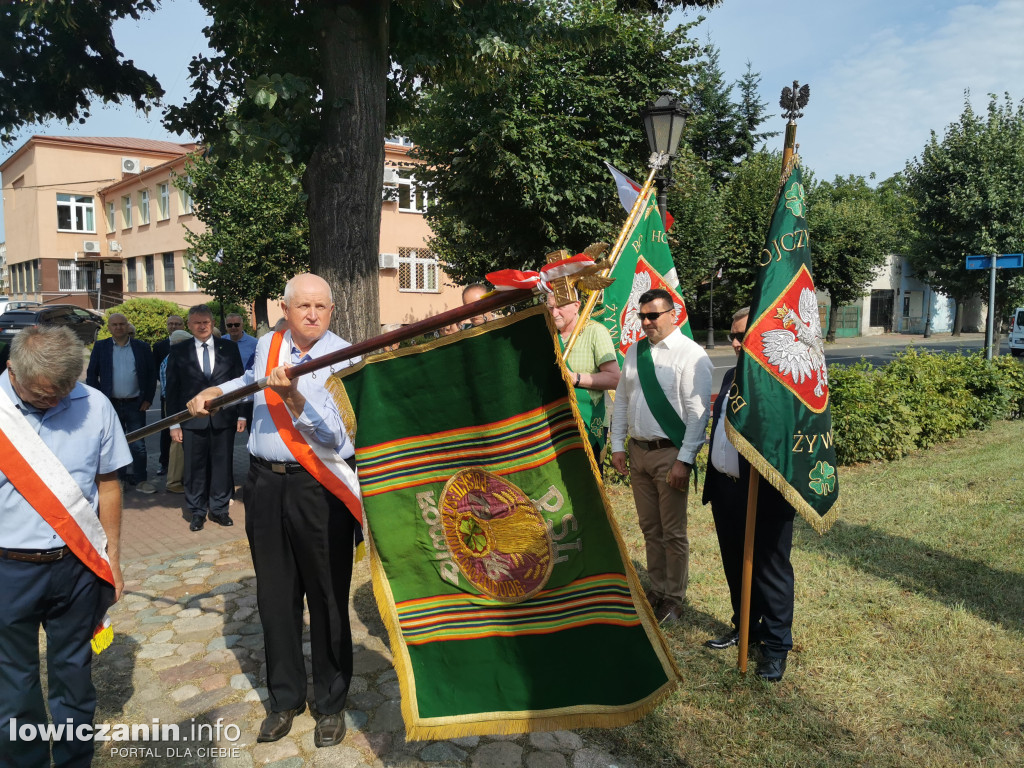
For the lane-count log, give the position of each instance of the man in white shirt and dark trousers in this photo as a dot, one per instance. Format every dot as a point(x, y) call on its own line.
point(662, 403)
point(726, 487)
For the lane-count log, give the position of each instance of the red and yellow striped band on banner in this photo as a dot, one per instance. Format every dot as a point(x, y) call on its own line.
point(38, 494)
point(328, 473)
point(522, 442)
point(599, 599)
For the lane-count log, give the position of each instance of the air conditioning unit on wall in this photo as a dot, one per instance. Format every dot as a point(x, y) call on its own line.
point(390, 177)
point(115, 247)
point(388, 261)
point(129, 165)
point(91, 246)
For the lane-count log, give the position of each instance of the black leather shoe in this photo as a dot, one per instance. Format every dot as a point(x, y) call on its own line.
point(224, 519)
point(728, 640)
point(198, 521)
point(771, 669)
point(330, 730)
point(277, 724)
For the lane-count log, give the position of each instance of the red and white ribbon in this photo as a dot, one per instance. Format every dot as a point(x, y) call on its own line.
point(512, 279)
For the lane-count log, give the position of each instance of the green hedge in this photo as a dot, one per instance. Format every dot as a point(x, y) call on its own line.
point(919, 399)
point(149, 316)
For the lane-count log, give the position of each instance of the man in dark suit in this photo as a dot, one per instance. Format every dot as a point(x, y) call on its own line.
point(726, 487)
point(122, 369)
point(160, 350)
point(208, 441)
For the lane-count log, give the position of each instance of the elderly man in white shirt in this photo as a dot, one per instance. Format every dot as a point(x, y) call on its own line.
point(662, 403)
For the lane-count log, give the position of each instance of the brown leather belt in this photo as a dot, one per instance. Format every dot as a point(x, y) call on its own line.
point(36, 556)
point(654, 445)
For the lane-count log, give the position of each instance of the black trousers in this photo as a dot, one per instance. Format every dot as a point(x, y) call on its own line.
point(300, 536)
point(209, 474)
point(771, 588)
point(68, 601)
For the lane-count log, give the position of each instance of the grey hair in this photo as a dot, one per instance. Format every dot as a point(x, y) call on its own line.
point(50, 353)
point(289, 288)
point(229, 315)
point(739, 314)
point(200, 309)
point(112, 315)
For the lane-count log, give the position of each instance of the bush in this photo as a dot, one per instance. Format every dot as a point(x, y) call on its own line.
point(919, 399)
point(149, 316)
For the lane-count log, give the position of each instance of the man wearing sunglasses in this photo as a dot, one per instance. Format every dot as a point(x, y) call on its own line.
point(662, 403)
point(726, 486)
point(247, 351)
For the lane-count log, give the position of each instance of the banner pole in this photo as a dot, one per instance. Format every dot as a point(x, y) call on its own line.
point(490, 301)
point(627, 229)
point(748, 569)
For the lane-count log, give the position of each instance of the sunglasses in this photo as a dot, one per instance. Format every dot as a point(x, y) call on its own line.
point(736, 336)
point(652, 316)
point(233, 325)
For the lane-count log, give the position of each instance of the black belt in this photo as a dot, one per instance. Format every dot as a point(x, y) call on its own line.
point(35, 555)
point(125, 399)
point(279, 467)
point(654, 445)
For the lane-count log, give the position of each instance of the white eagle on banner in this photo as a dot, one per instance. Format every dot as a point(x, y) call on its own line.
point(630, 329)
point(799, 353)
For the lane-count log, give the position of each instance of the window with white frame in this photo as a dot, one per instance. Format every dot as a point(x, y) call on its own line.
point(66, 275)
point(126, 211)
point(111, 224)
point(75, 213)
point(164, 190)
point(417, 270)
point(187, 265)
point(186, 199)
point(144, 207)
point(150, 274)
point(412, 197)
point(169, 271)
point(132, 276)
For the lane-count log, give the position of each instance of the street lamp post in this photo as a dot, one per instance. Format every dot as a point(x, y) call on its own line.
point(664, 120)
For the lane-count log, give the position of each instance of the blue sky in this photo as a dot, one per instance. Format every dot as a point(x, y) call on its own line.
point(883, 73)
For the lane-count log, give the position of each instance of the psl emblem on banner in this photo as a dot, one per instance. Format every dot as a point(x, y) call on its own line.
point(645, 279)
point(786, 341)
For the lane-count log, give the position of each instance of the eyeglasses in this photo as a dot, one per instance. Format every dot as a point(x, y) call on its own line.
point(233, 325)
point(736, 336)
point(652, 316)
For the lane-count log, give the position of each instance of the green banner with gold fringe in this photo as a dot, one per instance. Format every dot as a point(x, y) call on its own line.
point(510, 602)
point(778, 416)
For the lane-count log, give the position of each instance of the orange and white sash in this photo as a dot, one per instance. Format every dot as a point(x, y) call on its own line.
point(325, 464)
point(38, 475)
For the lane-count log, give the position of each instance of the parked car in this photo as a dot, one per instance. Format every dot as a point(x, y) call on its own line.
point(82, 322)
point(1017, 332)
point(4, 301)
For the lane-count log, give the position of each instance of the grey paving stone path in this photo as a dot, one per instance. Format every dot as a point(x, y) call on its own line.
point(188, 651)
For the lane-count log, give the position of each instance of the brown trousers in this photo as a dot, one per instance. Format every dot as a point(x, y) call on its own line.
point(661, 510)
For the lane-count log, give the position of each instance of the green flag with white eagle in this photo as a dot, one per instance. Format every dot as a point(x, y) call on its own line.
point(645, 263)
point(497, 565)
point(778, 415)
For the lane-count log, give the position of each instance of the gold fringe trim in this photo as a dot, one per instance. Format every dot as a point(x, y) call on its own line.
point(773, 476)
point(512, 723)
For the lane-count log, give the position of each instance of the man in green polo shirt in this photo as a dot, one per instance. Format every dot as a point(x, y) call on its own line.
point(593, 366)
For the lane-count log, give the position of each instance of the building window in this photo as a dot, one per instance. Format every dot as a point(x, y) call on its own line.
point(186, 200)
point(144, 207)
point(66, 275)
point(37, 278)
point(126, 211)
point(111, 224)
point(412, 197)
point(75, 213)
point(150, 275)
point(168, 271)
point(164, 191)
point(133, 280)
point(417, 270)
point(190, 281)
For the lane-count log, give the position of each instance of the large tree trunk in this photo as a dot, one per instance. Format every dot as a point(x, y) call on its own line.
point(343, 177)
point(958, 319)
point(833, 322)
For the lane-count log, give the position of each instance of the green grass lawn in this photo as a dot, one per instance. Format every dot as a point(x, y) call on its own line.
point(908, 630)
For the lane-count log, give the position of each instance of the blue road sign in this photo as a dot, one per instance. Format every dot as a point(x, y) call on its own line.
point(1003, 261)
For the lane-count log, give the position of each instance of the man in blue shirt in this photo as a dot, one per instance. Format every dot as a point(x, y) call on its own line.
point(300, 533)
point(122, 368)
point(247, 349)
point(65, 438)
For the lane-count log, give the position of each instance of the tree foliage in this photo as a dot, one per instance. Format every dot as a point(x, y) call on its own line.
point(256, 235)
point(966, 192)
point(516, 167)
point(850, 236)
point(57, 56)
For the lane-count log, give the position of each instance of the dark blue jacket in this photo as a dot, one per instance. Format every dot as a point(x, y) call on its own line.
point(101, 368)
